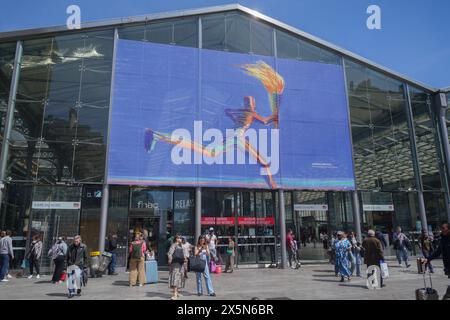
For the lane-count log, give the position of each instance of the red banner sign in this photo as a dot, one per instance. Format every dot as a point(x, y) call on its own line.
point(208, 221)
point(227, 221)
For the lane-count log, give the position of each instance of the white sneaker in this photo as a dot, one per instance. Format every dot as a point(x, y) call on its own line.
point(9, 276)
point(38, 277)
point(140, 284)
point(30, 276)
point(5, 280)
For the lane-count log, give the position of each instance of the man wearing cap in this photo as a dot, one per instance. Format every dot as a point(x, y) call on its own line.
point(373, 252)
point(211, 239)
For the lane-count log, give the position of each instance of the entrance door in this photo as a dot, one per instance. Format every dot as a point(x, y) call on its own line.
point(149, 227)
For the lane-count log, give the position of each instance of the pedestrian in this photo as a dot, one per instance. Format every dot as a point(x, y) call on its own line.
point(34, 255)
point(290, 246)
point(401, 245)
point(324, 238)
point(202, 251)
point(8, 276)
point(177, 257)
point(230, 256)
point(77, 255)
point(6, 252)
point(58, 254)
point(334, 240)
point(373, 252)
point(211, 240)
point(137, 251)
point(188, 250)
point(111, 247)
point(379, 235)
point(427, 248)
point(343, 248)
point(356, 254)
point(443, 249)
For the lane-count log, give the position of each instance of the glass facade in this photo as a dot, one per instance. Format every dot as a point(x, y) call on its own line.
point(60, 134)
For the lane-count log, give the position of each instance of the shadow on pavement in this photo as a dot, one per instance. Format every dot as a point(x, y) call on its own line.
point(43, 281)
point(63, 295)
point(323, 280)
point(354, 286)
point(159, 295)
point(323, 271)
point(324, 275)
point(121, 283)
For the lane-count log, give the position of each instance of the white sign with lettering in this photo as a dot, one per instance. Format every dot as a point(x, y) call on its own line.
point(310, 207)
point(61, 205)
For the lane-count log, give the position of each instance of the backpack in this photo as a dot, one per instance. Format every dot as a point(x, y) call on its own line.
point(178, 255)
point(136, 252)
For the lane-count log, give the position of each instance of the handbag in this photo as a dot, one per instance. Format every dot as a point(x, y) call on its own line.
point(196, 264)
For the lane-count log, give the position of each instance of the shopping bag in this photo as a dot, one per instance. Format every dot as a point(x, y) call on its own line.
point(25, 264)
point(213, 266)
point(384, 270)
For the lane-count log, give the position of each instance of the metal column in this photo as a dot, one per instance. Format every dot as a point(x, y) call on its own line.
point(356, 215)
point(105, 191)
point(9, 121)
point(440, 103)
point(198, 213)
point(282, 230)
point(415, 159)
point(103, 218)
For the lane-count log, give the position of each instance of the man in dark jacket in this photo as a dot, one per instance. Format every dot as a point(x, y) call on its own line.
point(443, 249)
point(373, 252)
point(111, 247)
point(77, 255)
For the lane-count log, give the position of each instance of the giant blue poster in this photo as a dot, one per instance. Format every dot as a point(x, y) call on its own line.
point(189, 117)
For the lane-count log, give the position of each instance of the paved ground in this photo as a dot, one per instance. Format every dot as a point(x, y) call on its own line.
point(309, 282)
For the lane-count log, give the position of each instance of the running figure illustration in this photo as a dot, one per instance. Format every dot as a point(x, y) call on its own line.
point(243, 119)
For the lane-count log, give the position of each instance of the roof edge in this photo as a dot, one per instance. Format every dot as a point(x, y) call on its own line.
point(15, 35)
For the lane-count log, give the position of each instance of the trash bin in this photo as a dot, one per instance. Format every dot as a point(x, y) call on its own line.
point(94, 264)
point(104, 261)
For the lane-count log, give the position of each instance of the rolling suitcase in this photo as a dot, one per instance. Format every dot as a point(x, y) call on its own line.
point(427, 293)
point(104, 261)
point(151, 271)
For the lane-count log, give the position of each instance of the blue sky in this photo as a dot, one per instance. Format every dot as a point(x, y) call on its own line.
point(413, 39)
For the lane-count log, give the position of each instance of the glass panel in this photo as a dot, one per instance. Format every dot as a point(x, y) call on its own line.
point(16, 206)
point(89, 162)
point(213, 32)
point(381, 145)
point(287, 46)
point(53, 223)
point(63, 99)
point(7, 55)
point(54, 162)
point(118, 221)
point(184, 209)
point(186, 33)
point(261, 39)
point(160, 33)
point(426, 139)
point(237, 33)
point(91, 202)
point(311, 220)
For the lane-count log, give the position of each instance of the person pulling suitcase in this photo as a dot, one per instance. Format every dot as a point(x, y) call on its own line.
point(77, 257)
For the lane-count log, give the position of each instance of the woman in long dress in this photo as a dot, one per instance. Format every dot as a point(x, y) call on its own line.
point(343, 247)
point(177, 271)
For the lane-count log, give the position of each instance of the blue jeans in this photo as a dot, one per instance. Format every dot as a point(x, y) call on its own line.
point(208, 282)
point(4, 265)
point(402, 255)
point(112, 264)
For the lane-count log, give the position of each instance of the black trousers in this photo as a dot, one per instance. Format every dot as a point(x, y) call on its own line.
point(34, 264)
point(59, 268)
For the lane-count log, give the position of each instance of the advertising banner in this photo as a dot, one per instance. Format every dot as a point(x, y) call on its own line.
point(190, 117)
